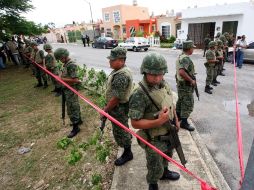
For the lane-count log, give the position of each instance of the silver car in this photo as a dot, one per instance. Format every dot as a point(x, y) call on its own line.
point(249, 53)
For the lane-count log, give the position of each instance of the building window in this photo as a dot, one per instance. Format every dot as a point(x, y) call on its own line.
point(153, 27)
point(124, 29)
point(106, 17)
point(116, 16)
point(165, 31)
point(141, 28)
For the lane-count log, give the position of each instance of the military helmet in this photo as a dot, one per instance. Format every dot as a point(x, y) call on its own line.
point(117, 53)
point(219, 43)
point(154, 63)
point(212, 44)
point(188, 44)
point(218, 35)
point(60, 53)
point(33, 43)
point(27, 42)
point(47, 47)
point(226, 34)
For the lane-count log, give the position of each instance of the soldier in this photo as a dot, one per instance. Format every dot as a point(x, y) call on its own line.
point(186, 82)
point(154, 93)
point(51, 65)
point(28, 53)
point(210, 64)
point(119, 86)
point(219, 57)
point(206, 42)
point(69, 76)
point(38, 57)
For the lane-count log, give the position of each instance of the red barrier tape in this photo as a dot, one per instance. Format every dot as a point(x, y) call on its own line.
point(203, 184)
point(238, 125)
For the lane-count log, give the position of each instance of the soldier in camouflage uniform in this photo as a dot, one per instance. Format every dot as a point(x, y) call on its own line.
point(210, 64)
point(186, 82)
point(142, 112)
point(51, 65)
point(119, 86)
point(70, 76)
point(28, 53)
point(38, 57)
point(219, 57)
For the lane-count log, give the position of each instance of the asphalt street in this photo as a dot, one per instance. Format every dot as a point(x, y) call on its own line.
point(214, 115)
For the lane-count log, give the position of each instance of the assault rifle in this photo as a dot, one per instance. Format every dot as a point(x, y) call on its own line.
point(195, 87)
point(173, 138)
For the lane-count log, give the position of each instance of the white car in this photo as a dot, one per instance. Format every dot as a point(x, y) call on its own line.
point(135, 44)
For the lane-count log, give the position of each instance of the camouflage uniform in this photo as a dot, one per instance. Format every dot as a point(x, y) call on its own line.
point(185, 102)
point(210, 55)
point(51, 65)
point(119, 85)
point(141, 107)
point(219, 53)
point(72, 103)
point(39, 59)
point(28, 52)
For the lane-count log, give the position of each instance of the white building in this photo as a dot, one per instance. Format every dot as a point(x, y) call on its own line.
point(233, 18)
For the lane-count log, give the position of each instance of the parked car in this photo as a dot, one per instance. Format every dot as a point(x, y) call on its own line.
point(178, 44)
point(135, 44)
point(104, 42)
point(248, 55)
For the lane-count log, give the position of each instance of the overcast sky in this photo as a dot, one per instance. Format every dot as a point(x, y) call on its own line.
point(63, 12)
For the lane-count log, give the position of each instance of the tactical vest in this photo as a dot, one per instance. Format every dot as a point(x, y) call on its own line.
point(37, 58)
point(50, 63)
point(125, 71)
point(190, 72)
point(162, 98)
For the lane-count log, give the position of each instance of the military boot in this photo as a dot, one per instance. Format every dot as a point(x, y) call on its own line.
point(207, 89)
point(185, 125)
point(153, 186)
point(45, 84)
point(39, 83)
point(169, 175)
point(214, 84)
point(215, 81)
point(126, 156)
point(74, 131)
point(58, 92)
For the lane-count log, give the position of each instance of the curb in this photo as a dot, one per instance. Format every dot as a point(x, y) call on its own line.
point(219, 179)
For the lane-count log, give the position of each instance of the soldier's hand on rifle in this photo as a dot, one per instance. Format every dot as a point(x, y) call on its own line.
point(164, 115)
point(193, 82)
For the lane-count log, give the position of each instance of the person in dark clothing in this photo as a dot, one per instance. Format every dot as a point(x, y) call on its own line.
point(84, 40)
point(87, 40)
point(206, 42)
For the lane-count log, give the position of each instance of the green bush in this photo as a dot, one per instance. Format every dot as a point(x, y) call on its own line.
point(167, 45)
point(172, 39)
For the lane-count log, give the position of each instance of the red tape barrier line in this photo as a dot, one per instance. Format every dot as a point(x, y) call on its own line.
point(203, 184)
point(238, 125)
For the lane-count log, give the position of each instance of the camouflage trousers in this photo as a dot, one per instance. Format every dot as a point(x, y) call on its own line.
point(155, 163)
point(39, 74)
point(185, 102)
point(209, 74)
point(54, 81)
point(73, 107)
point(216, 71)
point(120, 113)
point(220, 67)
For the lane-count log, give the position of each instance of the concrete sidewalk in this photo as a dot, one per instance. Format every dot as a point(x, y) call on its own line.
point(132, 176)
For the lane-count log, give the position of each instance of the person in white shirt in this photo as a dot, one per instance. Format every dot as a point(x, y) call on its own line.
point(240, 44)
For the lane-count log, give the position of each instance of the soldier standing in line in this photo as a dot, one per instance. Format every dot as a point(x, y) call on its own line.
point(119, 87)
point(51, 65)
point(38, 57)
point(206, 42)
point(142, 112)
point(209, 64)
point(28, 53)
point(70, 76)
point(186, 82)
point(219, 56)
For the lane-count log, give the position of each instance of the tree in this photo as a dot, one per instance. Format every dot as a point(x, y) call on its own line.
point(11, 22)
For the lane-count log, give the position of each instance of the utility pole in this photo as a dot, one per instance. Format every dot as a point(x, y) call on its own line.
point(91, 16)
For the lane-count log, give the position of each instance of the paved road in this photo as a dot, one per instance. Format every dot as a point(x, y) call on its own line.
point(213, 115)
